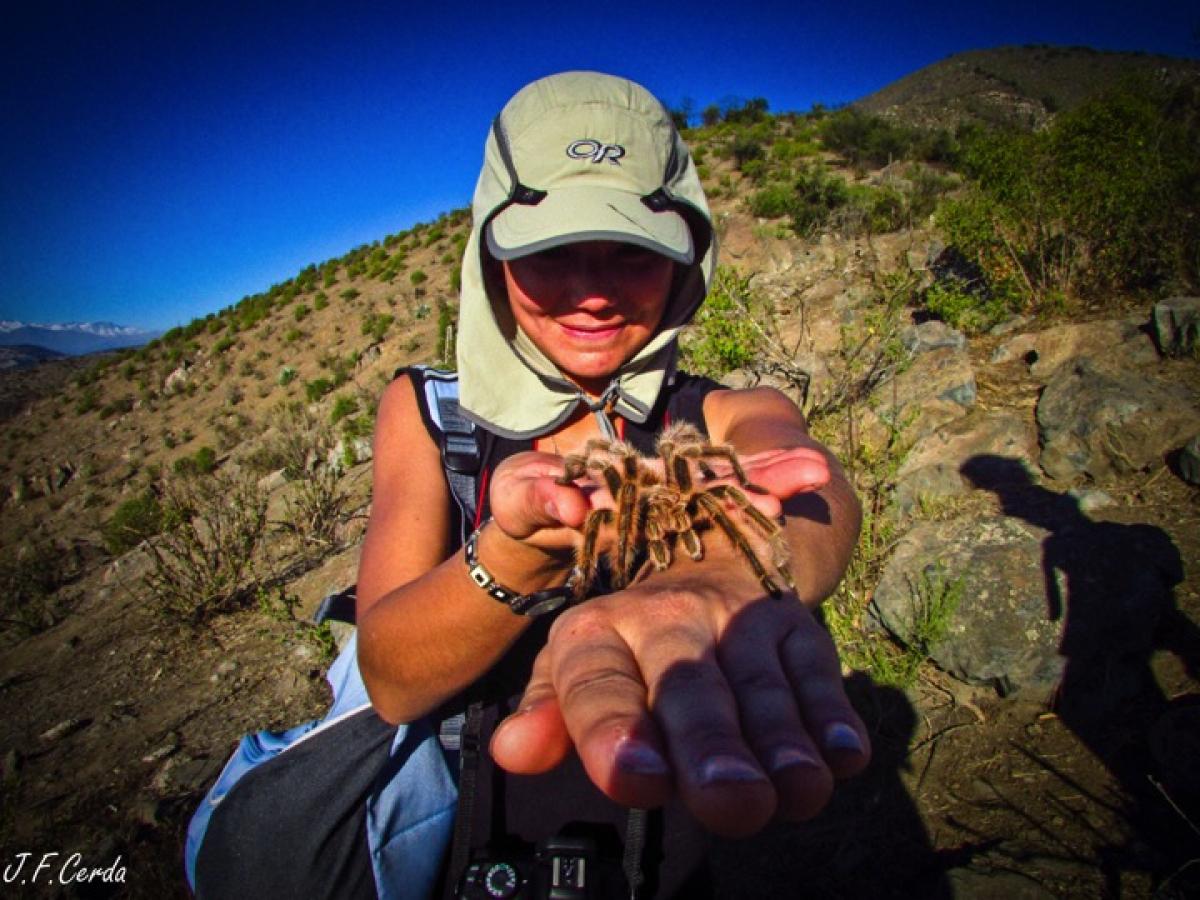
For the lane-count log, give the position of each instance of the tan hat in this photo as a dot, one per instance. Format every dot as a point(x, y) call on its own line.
point(582, 156)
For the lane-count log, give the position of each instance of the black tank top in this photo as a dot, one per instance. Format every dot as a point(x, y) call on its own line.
point(516, 811)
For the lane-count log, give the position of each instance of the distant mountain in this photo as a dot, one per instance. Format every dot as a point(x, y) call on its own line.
point(20, 356)
point(1020, 86)
point(73, 338)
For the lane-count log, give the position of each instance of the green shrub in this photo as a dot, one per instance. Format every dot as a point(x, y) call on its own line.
point(418, 277)
point(1107, 197)
point(349, 294)
point(746, 149)
point(316, 389)
point(286, 376)
point(300, 311)
point(358, 426)
point(773, 201)
point(292, 335)
point(132, 522)
point(224, 343)
point(321, 300)
point(376, 325)
point(722, 337)
point(818, 194)
point(343, 405)
point(972, 313)
point(202, 462)
point(89, 399)
point(208, 567)
point(122, 404)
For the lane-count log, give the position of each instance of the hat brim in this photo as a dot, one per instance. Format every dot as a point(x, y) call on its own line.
point(570, 215)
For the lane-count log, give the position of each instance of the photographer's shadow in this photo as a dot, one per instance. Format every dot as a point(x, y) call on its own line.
point(1111, 585)
point(869, 842)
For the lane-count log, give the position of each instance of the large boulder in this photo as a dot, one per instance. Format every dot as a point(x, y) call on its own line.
point(933, 468)
point(938, 387)
point(1123, 343)
point(1177, 325)
point(1039, 592)
point(1000, 631)
point(1098, 423)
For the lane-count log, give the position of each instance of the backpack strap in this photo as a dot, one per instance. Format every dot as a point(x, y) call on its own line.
point(437, 395)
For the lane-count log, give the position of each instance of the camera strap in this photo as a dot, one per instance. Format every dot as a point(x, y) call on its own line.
point(468, 778)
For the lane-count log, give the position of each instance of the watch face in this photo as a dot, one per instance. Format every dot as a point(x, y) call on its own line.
point(543, 605)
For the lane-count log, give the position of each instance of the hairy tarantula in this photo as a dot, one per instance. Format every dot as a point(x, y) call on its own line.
point(657, 510)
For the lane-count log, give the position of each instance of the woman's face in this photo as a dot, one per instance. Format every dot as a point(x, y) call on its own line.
point(590, 306)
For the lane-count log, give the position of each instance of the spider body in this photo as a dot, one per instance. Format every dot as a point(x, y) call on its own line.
point(659, 508)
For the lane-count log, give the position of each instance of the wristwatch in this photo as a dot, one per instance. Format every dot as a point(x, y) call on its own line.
point(531, 605)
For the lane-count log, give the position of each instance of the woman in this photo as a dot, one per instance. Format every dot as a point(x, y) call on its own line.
point(592, 245)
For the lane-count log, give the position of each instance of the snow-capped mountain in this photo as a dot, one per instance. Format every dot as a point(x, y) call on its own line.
point(74, 338)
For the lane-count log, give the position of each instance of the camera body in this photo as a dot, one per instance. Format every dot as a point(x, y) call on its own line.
point(561, 868)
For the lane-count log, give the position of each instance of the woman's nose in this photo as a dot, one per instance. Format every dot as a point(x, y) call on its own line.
point(591, 286)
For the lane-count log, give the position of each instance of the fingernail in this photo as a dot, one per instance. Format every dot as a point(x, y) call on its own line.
point(725, 768)
point(786, 757)
point(528, 707)
point(638, 758)
point(840, 736)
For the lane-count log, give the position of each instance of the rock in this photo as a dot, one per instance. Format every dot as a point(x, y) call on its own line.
point(937, 388)
point(1090, 500)
point(272, 481)
point(931, 335)
point(177, 380)
point(932, 467)
point(184, 775)
point(994, 884)
point(1189, 461)
point(1000, 631)
point(63, 729)
point(1177, 325)
point(1038, 594)
point(1119, 343)
point(163, 750)
point(1098, 424)
point(369, 356)
point(1008, 326)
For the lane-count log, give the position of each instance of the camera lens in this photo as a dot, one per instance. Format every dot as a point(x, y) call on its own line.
point(501, 880)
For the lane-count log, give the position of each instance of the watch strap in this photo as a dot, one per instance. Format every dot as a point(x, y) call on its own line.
point(536, 604)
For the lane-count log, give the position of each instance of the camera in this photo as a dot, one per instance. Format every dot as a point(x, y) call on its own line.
point(560, 868)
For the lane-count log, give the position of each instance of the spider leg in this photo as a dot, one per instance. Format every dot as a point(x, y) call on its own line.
point(713, 507)
point(769, 527)
point(658, 526)
point(727, 453)
point(585, 554)
point(574, 466)
point(628, 523)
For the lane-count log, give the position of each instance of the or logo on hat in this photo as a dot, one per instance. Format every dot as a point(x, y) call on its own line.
point(596, 151)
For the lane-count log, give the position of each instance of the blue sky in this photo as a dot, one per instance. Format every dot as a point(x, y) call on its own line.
point(162, 160)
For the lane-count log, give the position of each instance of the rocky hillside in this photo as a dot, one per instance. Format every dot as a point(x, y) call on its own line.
point(1019, 626)
point(1022, 86)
